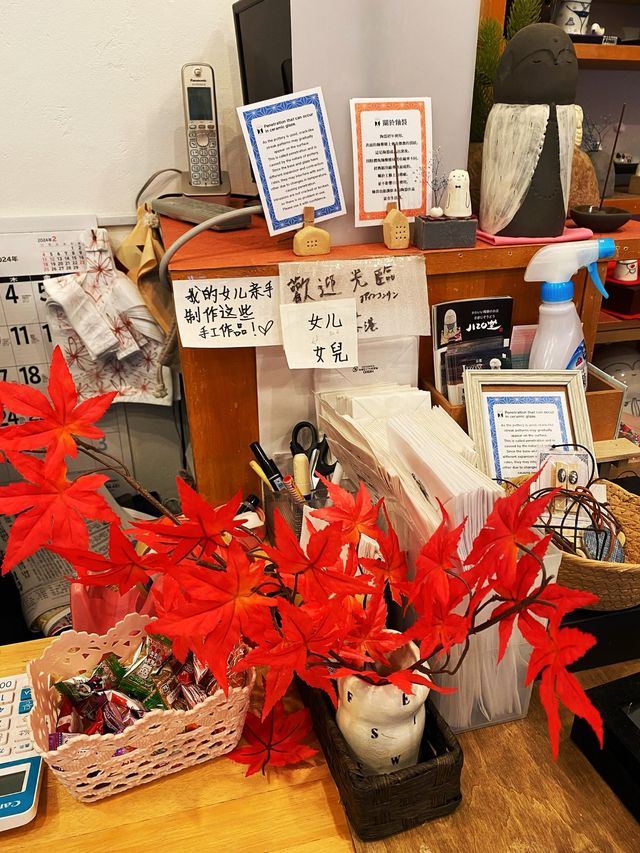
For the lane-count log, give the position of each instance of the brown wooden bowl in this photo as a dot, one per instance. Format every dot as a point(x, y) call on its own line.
point(601, 219)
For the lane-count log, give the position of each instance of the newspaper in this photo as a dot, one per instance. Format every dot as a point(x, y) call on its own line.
point(42, 580)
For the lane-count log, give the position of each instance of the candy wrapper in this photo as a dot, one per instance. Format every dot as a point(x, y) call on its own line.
point(117, 693)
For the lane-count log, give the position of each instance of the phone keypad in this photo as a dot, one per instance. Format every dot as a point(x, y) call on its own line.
point(15, 704)
point(204, 163)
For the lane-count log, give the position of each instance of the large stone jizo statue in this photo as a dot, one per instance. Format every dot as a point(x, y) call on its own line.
point(529, 138)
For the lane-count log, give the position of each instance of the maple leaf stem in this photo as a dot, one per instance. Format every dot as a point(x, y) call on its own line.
point(126, 475)
point(253, 535)
point(492, 600)
point(218, 566)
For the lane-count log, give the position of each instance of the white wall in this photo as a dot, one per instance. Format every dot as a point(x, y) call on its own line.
point(91, 106)
point(91, 100)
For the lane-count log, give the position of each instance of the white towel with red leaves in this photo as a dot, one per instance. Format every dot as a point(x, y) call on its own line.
point(106, 332)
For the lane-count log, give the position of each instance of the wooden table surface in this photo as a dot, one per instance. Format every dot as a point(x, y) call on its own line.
point(515, 800)
point(211, 807)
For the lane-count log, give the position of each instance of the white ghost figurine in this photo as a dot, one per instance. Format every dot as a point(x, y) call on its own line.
point(458, 205)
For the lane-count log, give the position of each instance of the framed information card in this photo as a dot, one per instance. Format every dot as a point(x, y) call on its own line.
point(514, 415)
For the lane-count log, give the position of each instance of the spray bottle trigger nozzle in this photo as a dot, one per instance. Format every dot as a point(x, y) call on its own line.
point(595, 278)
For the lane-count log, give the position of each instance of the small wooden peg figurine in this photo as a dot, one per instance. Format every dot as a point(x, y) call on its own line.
point(311, 240)
point(395, 228)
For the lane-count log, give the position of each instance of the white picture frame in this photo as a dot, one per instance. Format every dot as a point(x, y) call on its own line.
point(513, 415)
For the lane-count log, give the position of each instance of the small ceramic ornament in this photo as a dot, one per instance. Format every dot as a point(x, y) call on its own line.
point(311, 240)
point(436, 212)
point(458, 204)
point(395, 228)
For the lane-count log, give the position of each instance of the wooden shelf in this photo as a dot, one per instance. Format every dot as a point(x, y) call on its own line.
point(614, 56)
point(624, 200)
point(613, 330)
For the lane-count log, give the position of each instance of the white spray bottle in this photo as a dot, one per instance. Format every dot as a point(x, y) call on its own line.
point(559, 341)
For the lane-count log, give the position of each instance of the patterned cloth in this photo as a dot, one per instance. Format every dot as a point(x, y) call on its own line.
point(108, 337)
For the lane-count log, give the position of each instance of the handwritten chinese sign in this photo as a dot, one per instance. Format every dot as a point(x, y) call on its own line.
point(322, 336)
point(228, 312)
point(390, 292)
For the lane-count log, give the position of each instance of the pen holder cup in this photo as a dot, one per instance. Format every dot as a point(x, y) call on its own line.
point(292, 512)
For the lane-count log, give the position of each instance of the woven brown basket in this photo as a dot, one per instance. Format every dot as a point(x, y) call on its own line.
point(617, 584)
point(378, 806)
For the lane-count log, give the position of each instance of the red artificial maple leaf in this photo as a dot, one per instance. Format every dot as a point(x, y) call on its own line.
point(367, 637)
point(510, 524)
point(200, 533)
point(551, 602)
point(355, 515)
point(215, 609)
point(528, 570)
point(553, 650)
point(439, 627)
point(319, 571)
point(437, 559)
point(555, 601)
point(306, 635)
point(52, 508)
point(391, 569)
point(58, 419)
point(124, 567)
point(277, 740)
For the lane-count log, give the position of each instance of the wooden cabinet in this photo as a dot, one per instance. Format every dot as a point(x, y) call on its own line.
point(220, 384)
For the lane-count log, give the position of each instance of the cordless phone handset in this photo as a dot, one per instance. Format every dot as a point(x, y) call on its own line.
point(201, 126)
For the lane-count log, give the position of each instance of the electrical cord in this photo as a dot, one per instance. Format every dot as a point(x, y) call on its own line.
point(150, 180)
point(163, 274)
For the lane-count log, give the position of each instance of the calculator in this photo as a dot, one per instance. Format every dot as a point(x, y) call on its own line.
point(20, 765)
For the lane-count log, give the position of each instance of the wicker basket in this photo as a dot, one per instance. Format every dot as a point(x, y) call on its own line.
point(92, 767)
point(378, 806)
point(617, 584)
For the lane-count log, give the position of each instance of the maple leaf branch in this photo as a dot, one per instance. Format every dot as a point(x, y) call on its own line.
point(517, 607)
point(127, 476)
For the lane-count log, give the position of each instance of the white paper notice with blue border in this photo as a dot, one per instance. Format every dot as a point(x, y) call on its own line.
point(521, 425)
point(293, 160)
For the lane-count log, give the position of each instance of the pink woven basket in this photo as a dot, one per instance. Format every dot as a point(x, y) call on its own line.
point(92, 767)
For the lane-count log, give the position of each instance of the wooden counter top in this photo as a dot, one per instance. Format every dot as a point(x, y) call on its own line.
point(515, 798)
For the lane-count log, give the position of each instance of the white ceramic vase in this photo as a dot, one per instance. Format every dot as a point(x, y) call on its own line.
point(382, 725)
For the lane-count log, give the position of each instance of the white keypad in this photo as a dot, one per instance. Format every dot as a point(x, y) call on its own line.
point(15, 704)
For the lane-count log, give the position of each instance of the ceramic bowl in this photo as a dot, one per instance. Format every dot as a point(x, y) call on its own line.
point(602, 219)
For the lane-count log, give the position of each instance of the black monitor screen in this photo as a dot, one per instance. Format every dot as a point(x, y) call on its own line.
point(263, 34)
point(200, 107)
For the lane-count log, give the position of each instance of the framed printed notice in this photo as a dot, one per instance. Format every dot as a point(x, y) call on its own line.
point(391, 150)
point(515, 415)
point(291, 152)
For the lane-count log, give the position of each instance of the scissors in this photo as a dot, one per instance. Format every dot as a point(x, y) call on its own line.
point(308, 444)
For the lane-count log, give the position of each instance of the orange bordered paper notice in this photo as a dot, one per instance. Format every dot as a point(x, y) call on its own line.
point(376, 124)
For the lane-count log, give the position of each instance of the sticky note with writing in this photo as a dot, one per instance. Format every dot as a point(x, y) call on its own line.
point(228, 312)
point(390, 292)
point(321, 336)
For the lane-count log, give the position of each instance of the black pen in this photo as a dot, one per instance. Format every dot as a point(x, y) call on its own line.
point(269, 467)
